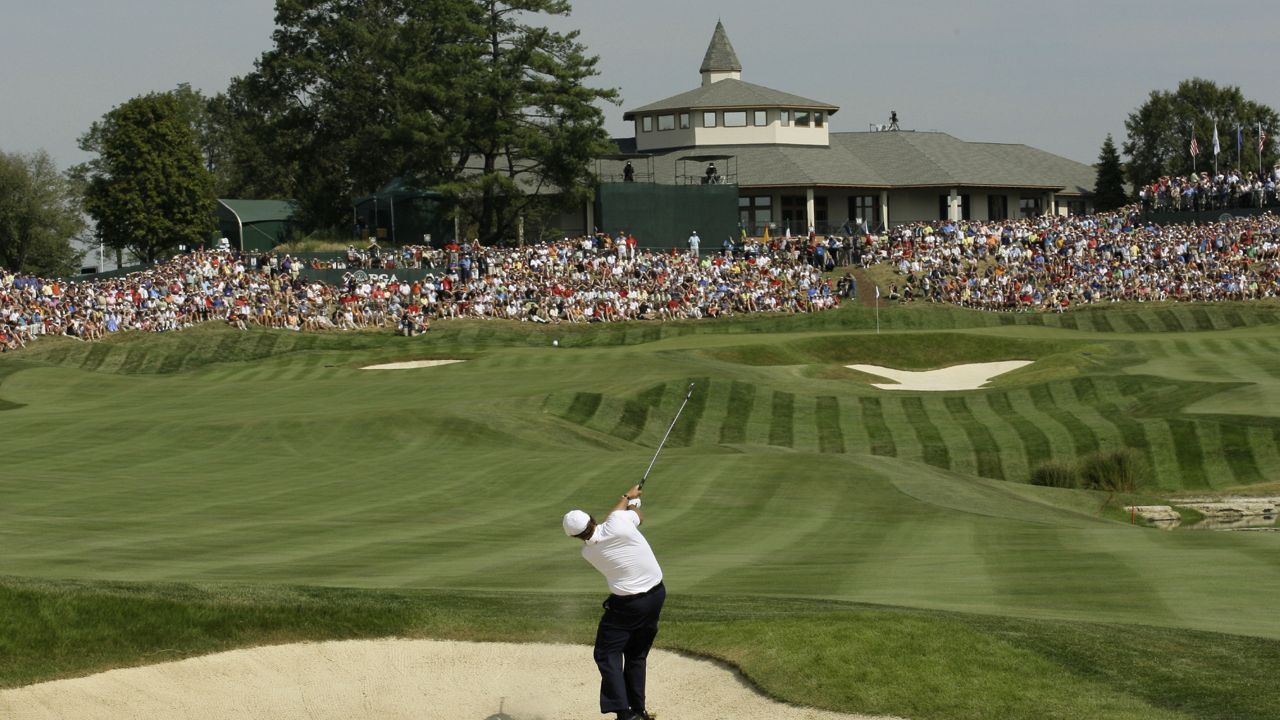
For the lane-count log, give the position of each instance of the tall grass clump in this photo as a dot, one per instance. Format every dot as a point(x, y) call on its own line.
point(1119, 471)
point(1055, 473)
point(1112, 471)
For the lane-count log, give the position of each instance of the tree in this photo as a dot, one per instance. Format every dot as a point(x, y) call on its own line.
point(148, 190)
point(39, 216)
point(1108, 191)
point(1161, 129)
point(469, 96)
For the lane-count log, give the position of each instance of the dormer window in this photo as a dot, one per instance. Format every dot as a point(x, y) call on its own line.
point(708, 119)
point(817, 119)
point(735, 118)
point(784, 118)
point(761, 118)
point(646, 123)
point(802, 118)
point(666, 122)
point(684, 121)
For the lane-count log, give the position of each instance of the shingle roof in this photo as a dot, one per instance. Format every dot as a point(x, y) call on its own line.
point(888, 160)
point(720, 56)
point(731, 93)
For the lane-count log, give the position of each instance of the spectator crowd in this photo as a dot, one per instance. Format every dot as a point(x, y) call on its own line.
point(586, 280)
point(1035, 264)
point(1054, 262)
point(1209, 191)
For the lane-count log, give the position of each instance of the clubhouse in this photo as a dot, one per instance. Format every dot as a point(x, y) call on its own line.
point(793, 173)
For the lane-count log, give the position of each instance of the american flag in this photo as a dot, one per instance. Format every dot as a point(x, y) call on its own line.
point(1262, 138)
point(1195, 147)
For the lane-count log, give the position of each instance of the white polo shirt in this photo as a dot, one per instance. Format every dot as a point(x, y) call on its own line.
point(622, 555)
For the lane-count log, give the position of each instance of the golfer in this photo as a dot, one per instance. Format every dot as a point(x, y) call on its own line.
point(626, 632)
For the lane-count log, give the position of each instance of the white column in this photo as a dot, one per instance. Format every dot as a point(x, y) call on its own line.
point(884, 208)
point(808, 210)
point(953, 205)
point(1052, 203)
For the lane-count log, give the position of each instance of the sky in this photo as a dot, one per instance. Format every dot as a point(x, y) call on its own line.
point(1057, 76)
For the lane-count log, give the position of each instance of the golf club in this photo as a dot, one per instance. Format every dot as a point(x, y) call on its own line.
point(664, 437)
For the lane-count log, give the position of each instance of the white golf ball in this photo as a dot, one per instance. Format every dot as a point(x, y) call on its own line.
point(555, 343)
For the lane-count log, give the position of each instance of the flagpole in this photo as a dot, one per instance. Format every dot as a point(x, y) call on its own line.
point(877, 309)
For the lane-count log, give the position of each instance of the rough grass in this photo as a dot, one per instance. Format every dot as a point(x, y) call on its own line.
point(856, 658)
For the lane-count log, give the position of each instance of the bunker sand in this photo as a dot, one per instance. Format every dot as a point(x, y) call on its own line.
point(956, 377)
point(393, 680)
point(411, 364)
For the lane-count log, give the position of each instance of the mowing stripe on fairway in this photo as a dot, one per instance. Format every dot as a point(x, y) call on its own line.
point(1036, 447)
point(1099, 322)
point(1083, 438)
point(1135, 322)
point(873, 420)
point(827, 419)
point(986, 449)
point(1060, 441)
point(1168, 319)
point(1187, 446)
point(933, 447)
point(742, 398)
point(686, 427)
point(782, 418)
point(583, 407)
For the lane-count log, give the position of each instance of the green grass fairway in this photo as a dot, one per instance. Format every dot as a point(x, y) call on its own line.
point(848, 521)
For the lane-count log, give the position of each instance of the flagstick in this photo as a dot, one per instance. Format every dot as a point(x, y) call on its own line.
point(877, 309)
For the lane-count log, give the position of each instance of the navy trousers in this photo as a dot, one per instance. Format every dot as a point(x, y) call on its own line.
point(623, 639)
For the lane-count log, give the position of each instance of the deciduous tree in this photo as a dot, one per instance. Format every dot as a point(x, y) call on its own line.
point(1161, 129)
point(39, 216)
point(148, 189)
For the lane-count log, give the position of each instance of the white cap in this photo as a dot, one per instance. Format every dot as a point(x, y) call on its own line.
point(575, 521)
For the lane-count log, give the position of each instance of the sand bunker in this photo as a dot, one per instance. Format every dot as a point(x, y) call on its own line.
point(411, 364)
point(392, 679)
point(956, 377)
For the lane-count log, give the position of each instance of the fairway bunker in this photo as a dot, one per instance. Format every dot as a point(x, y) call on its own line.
point(411, 364)
point(394, 679)
point(957, 377)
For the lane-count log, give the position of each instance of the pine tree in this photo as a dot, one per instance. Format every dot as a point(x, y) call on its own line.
point(1108, 191)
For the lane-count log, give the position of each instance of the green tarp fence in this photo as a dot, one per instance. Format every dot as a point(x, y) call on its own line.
point(663, 216)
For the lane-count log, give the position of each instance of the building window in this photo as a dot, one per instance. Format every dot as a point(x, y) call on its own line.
point(794, 216)
point(817, 119)
point(864, 209)
point(802, 118)
point(997, 207)
point(784, 118)
point(708, 119)
point(666, 122)
point(735, 118)
point(942, 206)
point(646, 123)
point(684, 121)
point(755, 213)
point(1077, 207)
point(761, 118)
point(1029, 207)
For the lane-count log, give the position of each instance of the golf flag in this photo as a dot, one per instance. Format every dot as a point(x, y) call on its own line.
point(766, 234)
point(1195, 147)
point(1217, 149)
